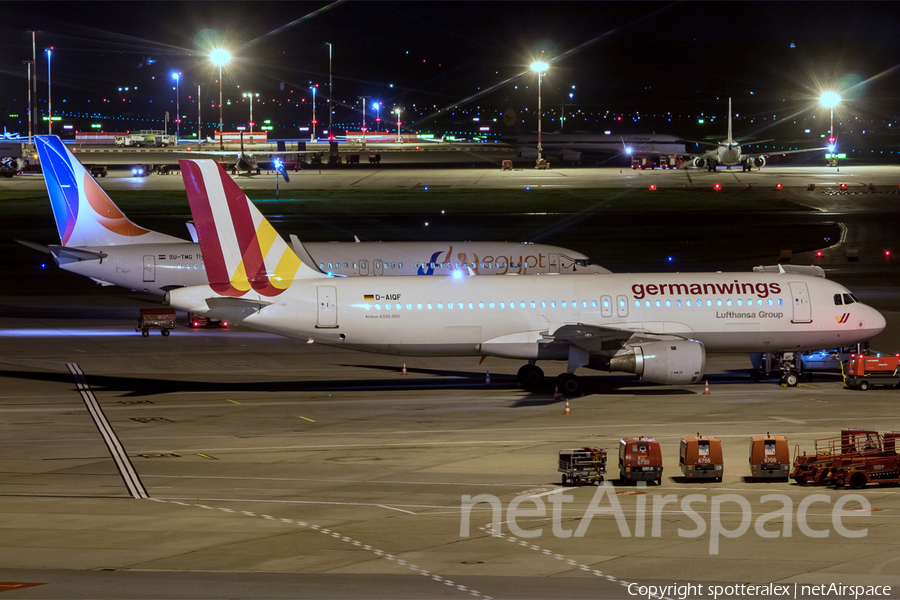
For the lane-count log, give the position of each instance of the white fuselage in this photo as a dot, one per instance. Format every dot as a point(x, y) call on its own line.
point(508, 316)
point(156, 268)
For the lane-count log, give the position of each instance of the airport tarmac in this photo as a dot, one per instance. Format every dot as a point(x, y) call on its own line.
point(275, 469)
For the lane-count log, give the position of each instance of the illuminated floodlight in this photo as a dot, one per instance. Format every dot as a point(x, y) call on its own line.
point(628, 151)
point(220, 57)
point(539, 66)
point(457, 274)
point(832, 148)
point(830, 99)
point(176, 76)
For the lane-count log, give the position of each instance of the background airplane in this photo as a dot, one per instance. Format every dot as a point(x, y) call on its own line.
point(728, 152)
point(98, 241)
point(657, 326)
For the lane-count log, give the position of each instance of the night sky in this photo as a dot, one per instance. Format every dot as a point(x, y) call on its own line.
point(658, 64)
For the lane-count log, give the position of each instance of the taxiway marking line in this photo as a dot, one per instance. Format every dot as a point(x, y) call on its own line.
point(338, 536)
point(116, 449)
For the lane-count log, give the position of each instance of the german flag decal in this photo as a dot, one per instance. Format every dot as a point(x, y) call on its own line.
point(369, 297)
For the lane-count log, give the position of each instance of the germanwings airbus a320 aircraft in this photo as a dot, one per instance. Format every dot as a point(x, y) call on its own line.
point(100, 242)
point(658, 326)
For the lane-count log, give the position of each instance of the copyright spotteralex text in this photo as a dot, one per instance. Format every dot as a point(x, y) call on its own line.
point(794, 591)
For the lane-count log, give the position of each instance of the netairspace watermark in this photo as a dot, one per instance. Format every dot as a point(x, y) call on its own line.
point(705, 511)
point(770, 590)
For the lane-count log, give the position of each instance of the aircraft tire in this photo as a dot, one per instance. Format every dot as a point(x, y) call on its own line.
point(568, 384)
point(530, 376)
point(791, 380)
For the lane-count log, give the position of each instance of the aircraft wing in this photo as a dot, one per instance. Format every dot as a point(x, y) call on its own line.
point(780, 153)
point(602, 340)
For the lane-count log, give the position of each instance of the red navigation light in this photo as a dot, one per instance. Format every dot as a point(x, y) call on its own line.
point(819, 254)
point(778, 186)
point(224, 323)
point(717, 187)
point(843, 186)
point(652, 187)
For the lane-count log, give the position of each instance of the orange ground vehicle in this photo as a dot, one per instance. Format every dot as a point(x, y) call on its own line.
point(869, 467)
point(816, 467)
point(770, 457)
point(866, 370)
point(640, 459)
point(700, 457)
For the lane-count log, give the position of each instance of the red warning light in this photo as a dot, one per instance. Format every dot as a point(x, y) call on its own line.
point(652, 187)
point(887, 253)
point(843, 186)
point(717, 187)
point(819, 254)
point(778, 186)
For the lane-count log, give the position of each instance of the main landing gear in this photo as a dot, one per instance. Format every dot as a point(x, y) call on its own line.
point(532, 377)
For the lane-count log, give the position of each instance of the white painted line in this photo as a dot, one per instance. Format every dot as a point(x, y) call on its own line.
point(556, 491)
point(786, 420)
point(116, 449)
point(409, 512)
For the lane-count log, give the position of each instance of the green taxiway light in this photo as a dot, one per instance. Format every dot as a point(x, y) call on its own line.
point(267, 121)
point(96, 126)
point(701, 121)
point(54, 118)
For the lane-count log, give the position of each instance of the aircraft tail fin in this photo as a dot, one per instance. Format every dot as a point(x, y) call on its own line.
point(85, 215)
point(729, 121)
point(241, 249)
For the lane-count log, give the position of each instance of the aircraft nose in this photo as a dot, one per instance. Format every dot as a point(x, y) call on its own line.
point(876, 321)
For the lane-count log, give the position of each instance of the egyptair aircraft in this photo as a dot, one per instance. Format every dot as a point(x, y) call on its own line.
point(728, 152)
point(98, 241)
point(657, 325)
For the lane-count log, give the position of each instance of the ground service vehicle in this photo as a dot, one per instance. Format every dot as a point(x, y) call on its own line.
point(642, 162)
point(582, 464)
point(199, 321)
point(816, 467)
point(870, 467)
point(769, 457)
point(866, 370)
point(700, 457)
point(145, 137)
point(640, 459)
point(162, 318)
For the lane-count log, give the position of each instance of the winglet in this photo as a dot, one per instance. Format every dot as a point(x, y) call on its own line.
point(85, 215)
point(241, 249)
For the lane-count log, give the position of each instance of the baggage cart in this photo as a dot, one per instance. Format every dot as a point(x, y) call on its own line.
point(582, 465)
point(161, 318)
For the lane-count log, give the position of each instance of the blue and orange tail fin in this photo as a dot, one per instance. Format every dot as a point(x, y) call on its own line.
point(241, 249)
point(85, 215)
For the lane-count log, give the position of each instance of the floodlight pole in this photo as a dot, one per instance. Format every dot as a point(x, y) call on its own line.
point(28, 62)
point(330, 94)
point(221, 125)
point(49, 109)
point(364, 98)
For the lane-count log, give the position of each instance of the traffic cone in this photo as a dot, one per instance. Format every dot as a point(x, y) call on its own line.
point(556, 395)
point(403, 372)
point(568, 412)
point(487, 378)
point(706, 390)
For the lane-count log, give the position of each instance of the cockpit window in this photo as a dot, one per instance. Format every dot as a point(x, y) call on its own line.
point(849, 299)
point(837, 300)
point(583, 262)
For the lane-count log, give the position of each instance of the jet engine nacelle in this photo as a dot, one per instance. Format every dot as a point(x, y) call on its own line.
point(699, 162)
point(759, 161)
point(669, 362)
